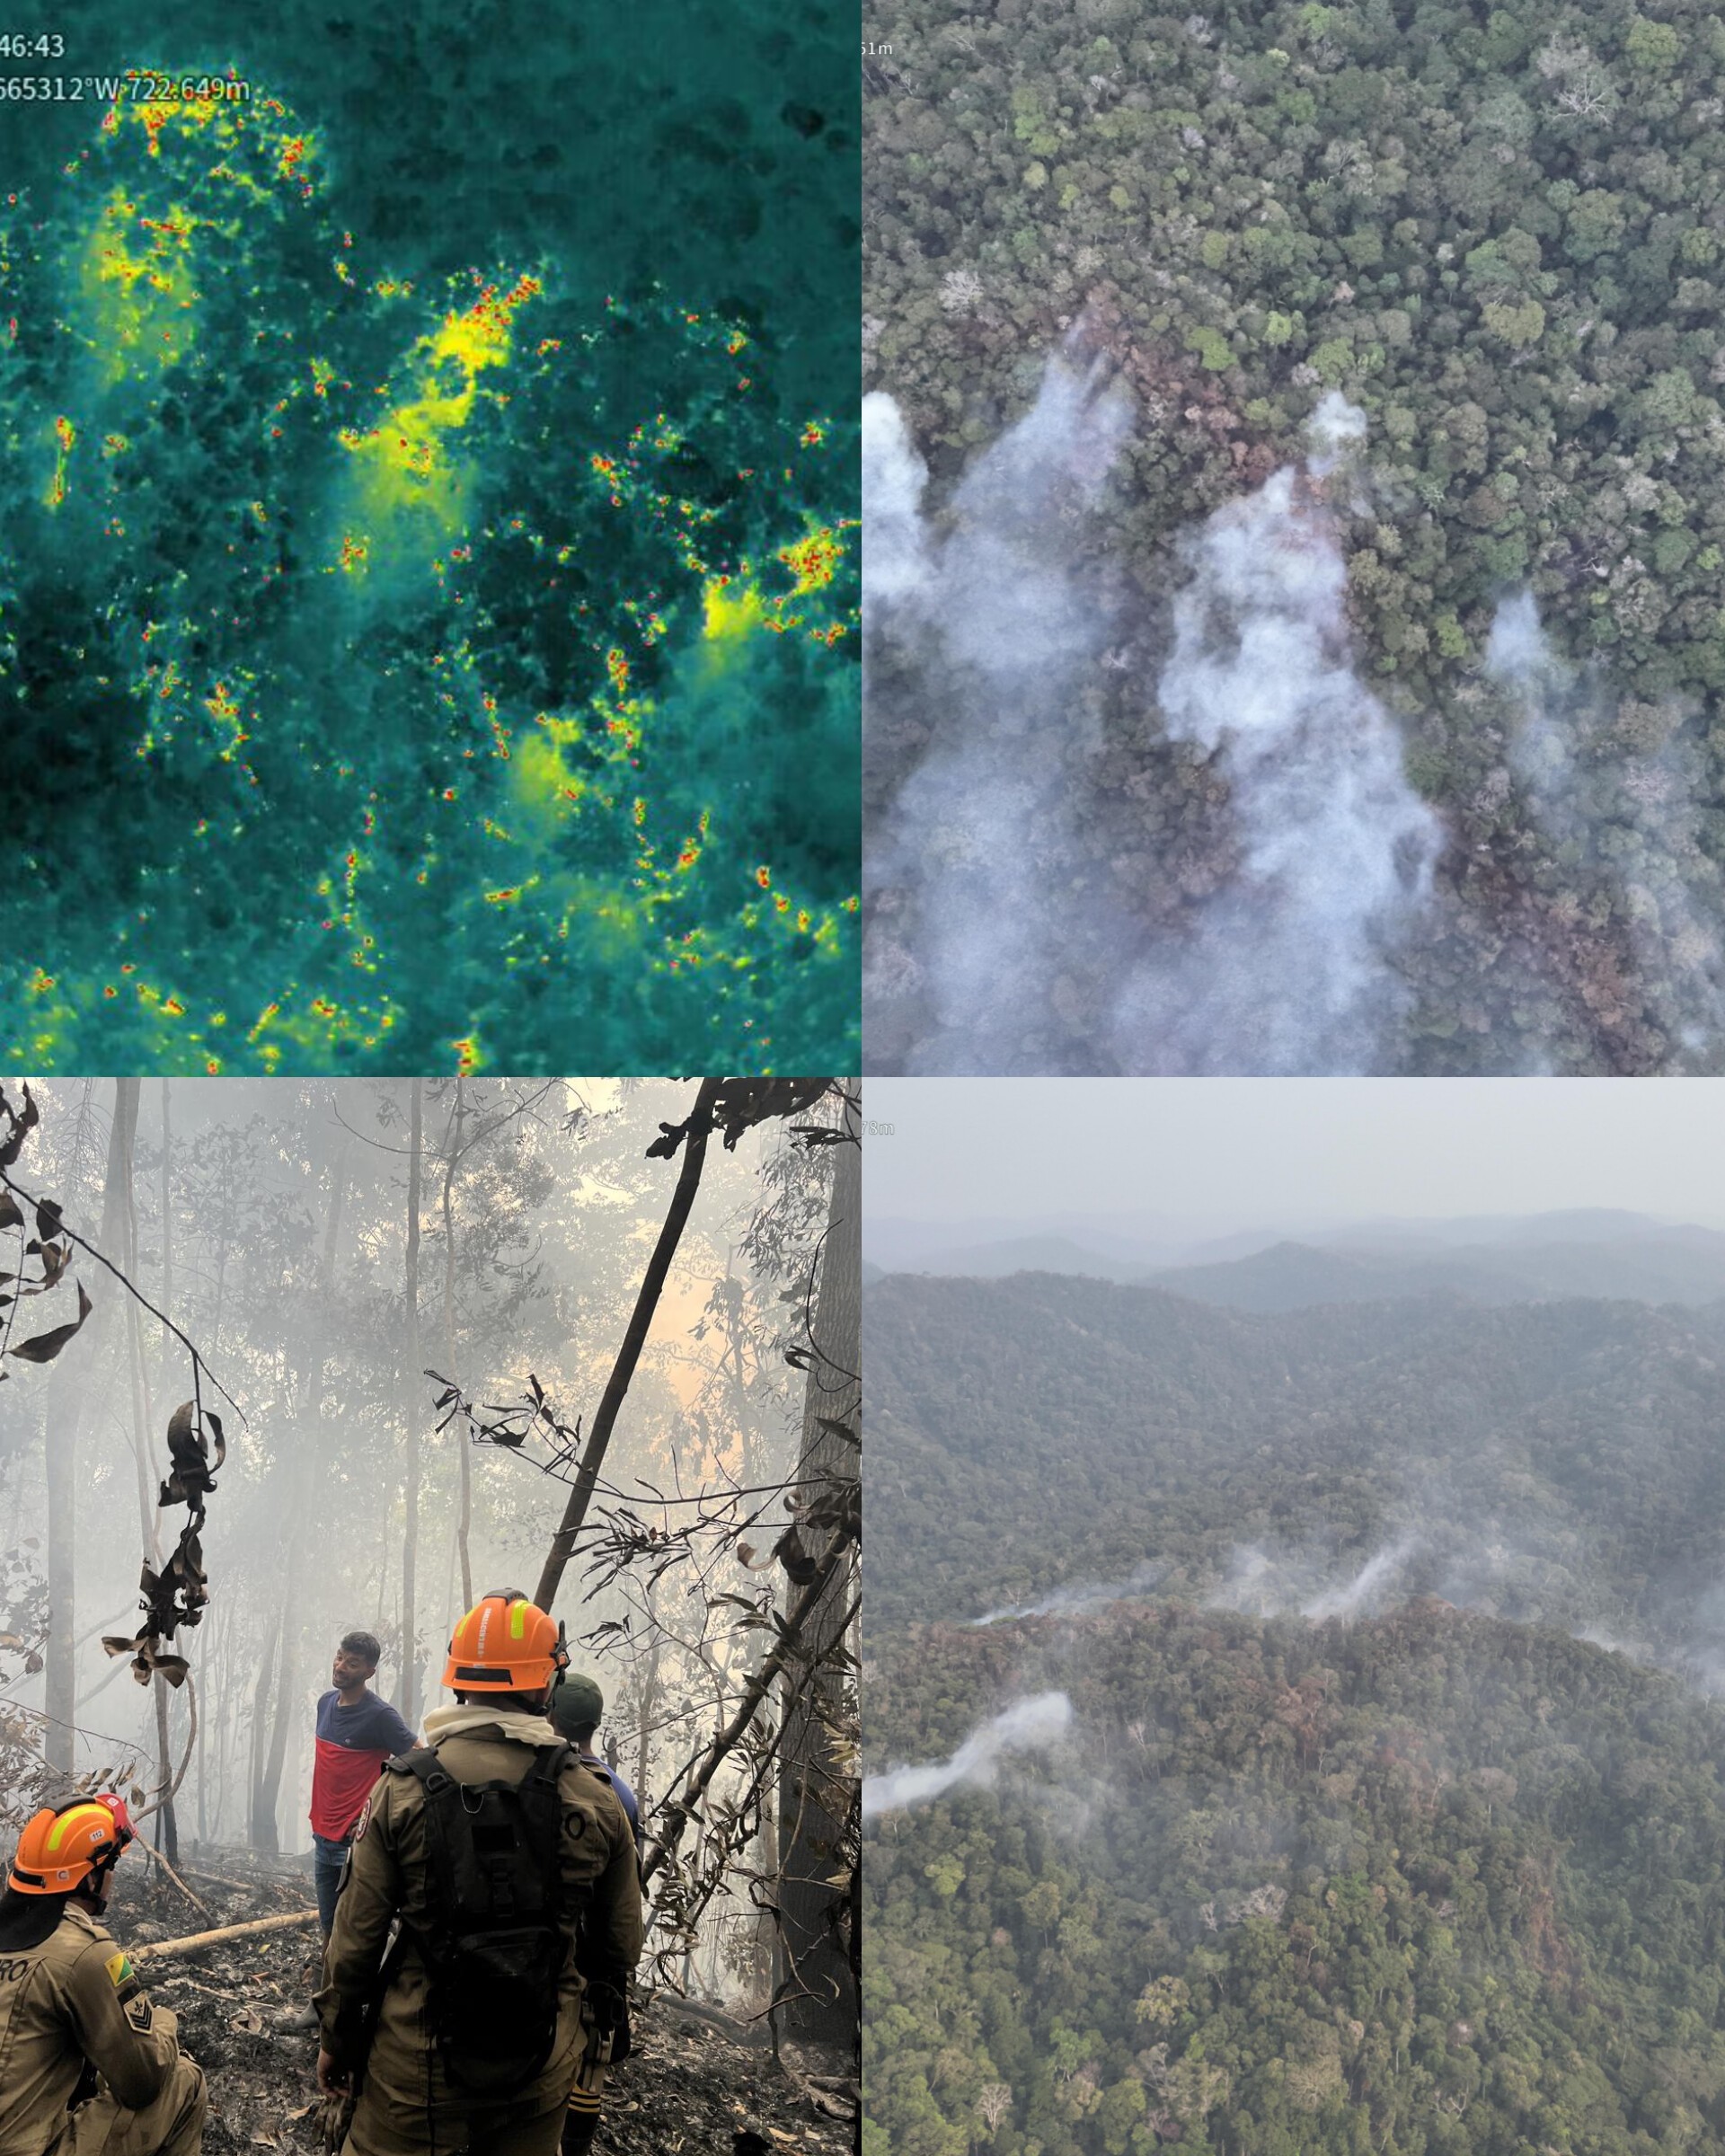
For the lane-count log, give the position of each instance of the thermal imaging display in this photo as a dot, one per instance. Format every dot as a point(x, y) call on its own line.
point(428, 583)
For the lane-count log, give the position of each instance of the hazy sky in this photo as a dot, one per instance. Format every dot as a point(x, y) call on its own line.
point(1227, 1153)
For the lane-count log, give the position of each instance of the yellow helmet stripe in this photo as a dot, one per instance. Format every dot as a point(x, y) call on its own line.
point(80, 1813)
point(518, 1619)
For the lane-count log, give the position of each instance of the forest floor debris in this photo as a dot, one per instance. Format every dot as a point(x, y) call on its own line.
point(697, 2076)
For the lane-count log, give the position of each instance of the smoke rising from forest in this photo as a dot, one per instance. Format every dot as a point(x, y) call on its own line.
point(1259, 1583)
point(1285, 969)
point(991, 613)
point(1038, 1724)
point(1351, 1597)
point(1598, 768)
point(986, 635)
point(1079, 1597)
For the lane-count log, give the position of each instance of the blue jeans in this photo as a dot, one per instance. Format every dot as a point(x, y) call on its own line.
point(327, 1860)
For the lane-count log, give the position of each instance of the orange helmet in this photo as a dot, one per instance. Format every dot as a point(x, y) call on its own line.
point(59, 1849)
point(505, 1644)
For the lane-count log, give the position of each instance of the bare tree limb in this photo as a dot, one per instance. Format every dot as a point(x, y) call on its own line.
point(677, 1811)
point(697, 1130)
point(166, 1949)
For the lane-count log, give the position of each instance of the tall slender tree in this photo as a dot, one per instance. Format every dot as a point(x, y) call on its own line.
point(815, 1786)
point(62, 1441)
point(411, 1412)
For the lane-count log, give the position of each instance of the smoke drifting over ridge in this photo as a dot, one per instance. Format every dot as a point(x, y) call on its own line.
point(1078, 1598)
point(1594, 769)
point(1038, 1724)
point(995, 941)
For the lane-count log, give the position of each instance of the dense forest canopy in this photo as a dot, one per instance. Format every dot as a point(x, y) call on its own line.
point(1430, 1885)
point(1371, 1820)
point(1495, 235)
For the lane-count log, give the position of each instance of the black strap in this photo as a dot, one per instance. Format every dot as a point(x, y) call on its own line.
point(549, 1762)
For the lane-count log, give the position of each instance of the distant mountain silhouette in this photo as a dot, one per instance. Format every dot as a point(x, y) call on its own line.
point(1538, 1258)
point(1640, 1262)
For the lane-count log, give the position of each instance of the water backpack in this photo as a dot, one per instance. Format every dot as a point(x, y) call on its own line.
point(495, 1935)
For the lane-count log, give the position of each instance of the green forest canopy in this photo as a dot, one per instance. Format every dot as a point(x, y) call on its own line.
point(1499, 231)
point(1437, 1883)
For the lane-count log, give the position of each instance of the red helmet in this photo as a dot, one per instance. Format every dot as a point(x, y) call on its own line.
point(505, 1644)
point(59, 1850)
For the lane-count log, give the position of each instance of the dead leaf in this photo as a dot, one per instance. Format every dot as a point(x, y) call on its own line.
point(46, 1346)
point(23, 1123)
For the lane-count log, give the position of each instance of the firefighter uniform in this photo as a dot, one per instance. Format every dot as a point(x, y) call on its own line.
point(578, 1706)
point(406, 2104)
point(74, 1999)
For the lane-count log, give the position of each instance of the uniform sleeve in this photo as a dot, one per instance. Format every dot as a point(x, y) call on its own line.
point(369, 1898)
point(130, 2042)
point(613, 1922)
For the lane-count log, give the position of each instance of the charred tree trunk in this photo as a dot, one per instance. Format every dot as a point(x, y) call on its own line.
point(267, 1804)
point(410, 1413)
point(652, 1286)
point(814, 1800)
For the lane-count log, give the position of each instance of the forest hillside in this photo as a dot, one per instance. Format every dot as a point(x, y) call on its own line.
point(1386, 337)
point(1556, 1461)
point(1292, 1734)
point(1429, 1885)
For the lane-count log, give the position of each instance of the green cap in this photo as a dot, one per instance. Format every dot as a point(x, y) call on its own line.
point(577, 1704)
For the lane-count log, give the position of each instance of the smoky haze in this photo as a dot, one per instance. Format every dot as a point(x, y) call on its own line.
point(1175, 1161)
point(993, 941)
point(270, 1222)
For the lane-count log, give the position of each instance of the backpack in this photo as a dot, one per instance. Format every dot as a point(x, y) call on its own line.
point(496, 1934)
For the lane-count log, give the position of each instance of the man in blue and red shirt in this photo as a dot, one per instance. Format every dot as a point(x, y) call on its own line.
point(357, 1732)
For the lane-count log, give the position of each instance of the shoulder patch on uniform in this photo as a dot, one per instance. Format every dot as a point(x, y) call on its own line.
point(138, 2013)
point(123, 1977)
point(363, 1822)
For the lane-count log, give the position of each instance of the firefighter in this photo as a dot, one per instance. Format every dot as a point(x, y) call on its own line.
point(577, 1708)
point(73, 2019)
point(512, 1871)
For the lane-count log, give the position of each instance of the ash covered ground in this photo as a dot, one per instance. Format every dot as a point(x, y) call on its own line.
point(698, 2076)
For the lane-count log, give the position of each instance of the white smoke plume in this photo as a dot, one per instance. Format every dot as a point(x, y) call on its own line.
point(1259, 1585)
point(995, 939)
point(1250, 1585)
point(1363, 1591)
point(1286, 971)
point(1588, 764)
point(1083, 1596)
point(981, 829)
point(895, 563)
point(1518, 657)
point(1034, 1725)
